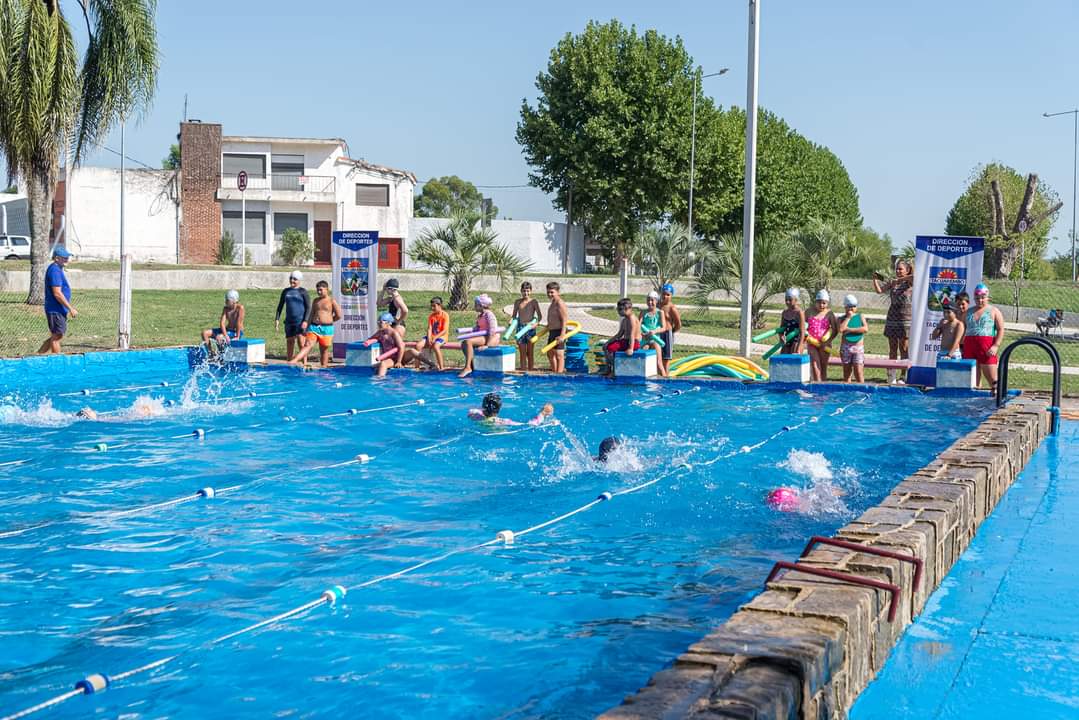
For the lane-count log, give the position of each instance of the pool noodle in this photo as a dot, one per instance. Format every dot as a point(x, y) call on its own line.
point(524, 329)
point(766, 335)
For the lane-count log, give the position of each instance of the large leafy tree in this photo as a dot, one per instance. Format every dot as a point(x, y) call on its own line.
point(50, 103)
point(777, 265)
point(612, 125)
point(667, 253)
point(462, 250)
point(829, 249)
point(444, 196)
point(796, 178)
point(972, 214)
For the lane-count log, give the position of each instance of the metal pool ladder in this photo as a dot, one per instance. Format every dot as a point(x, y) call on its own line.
point(1054, 358)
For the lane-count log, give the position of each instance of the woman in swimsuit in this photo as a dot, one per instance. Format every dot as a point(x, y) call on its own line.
point(821, 327)
point(653, 325)
point(984, 335)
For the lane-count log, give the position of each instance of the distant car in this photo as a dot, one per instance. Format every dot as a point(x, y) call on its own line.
point(14, 247)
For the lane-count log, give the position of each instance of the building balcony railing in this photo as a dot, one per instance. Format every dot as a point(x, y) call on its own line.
point(276, 181)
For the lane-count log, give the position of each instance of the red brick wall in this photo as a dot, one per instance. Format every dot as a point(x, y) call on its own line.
point(200, 158)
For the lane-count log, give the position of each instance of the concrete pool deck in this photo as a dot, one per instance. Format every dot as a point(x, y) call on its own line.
point(1000, 637)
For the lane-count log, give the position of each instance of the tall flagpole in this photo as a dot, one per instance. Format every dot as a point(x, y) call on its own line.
point(746, 330)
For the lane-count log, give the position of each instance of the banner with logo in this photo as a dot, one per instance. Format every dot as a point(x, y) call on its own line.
point(944, 266)
point(354, 263)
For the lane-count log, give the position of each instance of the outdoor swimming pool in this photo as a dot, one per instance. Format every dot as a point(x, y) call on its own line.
point(562, 623)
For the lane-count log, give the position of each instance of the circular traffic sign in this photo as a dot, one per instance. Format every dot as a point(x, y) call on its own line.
point(241, 180)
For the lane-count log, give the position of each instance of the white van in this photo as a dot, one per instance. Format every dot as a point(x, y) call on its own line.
point(14, 247)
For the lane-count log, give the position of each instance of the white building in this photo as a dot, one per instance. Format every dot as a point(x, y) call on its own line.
point(541, 243)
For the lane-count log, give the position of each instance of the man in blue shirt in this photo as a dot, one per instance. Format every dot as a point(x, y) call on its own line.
point(297, 304)
point(57, 300)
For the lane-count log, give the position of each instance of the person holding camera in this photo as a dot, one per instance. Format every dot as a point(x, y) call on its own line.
point(897, 321)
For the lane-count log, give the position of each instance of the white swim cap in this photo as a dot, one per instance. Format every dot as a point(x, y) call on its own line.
point(823, 295)
point(793, 293)
point(653, 295)
point(295, 275)
point(850, 301)
point(233, 295)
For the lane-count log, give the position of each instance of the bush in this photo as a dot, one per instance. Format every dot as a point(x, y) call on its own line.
point(226, 250)
point(297, 248)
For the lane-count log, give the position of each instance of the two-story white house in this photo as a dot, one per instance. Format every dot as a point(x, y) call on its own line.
point(310, 185)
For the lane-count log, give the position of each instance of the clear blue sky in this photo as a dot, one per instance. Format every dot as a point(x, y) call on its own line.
point(910, 95)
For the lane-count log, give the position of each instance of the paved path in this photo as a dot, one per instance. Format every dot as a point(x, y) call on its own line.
point(603, 327)
point(1000, 636)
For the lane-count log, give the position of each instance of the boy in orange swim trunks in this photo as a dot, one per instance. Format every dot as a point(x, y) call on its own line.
point(324, 313)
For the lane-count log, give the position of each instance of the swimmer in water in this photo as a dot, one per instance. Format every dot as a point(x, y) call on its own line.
point(492, 405)
point(140, 409)
point(606, 447)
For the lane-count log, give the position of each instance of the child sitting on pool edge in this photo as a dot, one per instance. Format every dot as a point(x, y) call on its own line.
point(628, 337)
point(389, 343)
point(492, 405)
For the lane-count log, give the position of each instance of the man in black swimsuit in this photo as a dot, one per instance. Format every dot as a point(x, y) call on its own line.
point(296, 303)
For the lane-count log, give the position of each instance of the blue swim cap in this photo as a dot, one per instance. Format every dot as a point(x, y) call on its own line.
point(668, 288)
point(386, 317)
point(981, 289)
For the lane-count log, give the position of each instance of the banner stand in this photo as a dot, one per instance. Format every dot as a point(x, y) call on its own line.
point(944, 266)
point(354, 265)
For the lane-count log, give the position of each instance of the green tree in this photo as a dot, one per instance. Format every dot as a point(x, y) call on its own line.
point(796, 178)
point(444, 196)
point(50, 102)
point(612, 124)
point(874, 254)
point(297, 247)
point(777, 265)
point(172, 160)
point(824, 248)
point(462, 249)
point(972, 214)
point(668, 253)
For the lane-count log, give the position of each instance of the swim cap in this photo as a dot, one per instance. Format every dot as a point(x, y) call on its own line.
point(653, 295)
point(295, 275)
point(850, 301)
point(784, 499)
point(492, 404)
point(793, 293)
point(823, 295)
point(981, 289)
point(233, 295)
point(668, 288)
point(484, 300)
point(606, 448)
point(386, 318)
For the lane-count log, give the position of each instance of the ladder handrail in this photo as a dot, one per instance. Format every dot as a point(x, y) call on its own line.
point(1054, 358)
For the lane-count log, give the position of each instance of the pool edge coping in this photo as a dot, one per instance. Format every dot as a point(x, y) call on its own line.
point(804, 648)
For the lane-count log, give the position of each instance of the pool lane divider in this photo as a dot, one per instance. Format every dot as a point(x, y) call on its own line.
point(99, 682)
point(418, 402)
point(88, 391)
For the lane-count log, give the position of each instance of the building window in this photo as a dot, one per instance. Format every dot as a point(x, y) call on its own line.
point(372, 195)
point(286, 171)
point(233, 163)
point(256, 226)
point(284, 221)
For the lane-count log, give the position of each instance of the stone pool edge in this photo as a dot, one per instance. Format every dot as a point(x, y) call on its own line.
point(806, 647)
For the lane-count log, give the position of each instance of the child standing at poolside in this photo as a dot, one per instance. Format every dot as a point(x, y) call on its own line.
point(487, 324)
point(389, 342)
point(492, 405)
point(556, 328)
point(852, 350)
point(231, 326)
point(438, 329)
point(324, 313)
point(793, 320)
point(950, 332)
point(674, 322)
point(526, 309)
point(653, 325)
point(821, 327)
point(628, 337)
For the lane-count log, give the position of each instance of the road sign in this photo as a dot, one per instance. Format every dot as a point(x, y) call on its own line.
point(241, 180)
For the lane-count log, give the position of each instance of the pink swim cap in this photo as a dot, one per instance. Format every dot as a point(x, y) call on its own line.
point(784, 499)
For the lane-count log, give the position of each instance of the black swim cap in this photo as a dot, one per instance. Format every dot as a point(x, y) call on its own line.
point(492, 404)
point(607, 447)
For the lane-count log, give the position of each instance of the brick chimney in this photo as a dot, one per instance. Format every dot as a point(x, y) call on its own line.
point(200, 177)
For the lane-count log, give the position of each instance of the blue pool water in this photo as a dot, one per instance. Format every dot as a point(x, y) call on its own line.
point(563, 623)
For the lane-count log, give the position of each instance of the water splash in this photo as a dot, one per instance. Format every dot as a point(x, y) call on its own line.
point(44, 415)
point(822, 496)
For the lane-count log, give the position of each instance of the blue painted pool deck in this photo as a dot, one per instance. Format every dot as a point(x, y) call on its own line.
point(1000, 636)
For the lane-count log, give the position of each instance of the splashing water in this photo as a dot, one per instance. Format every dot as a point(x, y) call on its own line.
point(44, 415)
point(812, 465)
point(822, 496)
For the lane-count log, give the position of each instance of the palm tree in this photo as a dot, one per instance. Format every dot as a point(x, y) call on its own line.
point(52, 106)
point(776, 266)
point(463, 249)
point(667, 253)
point(825, 248)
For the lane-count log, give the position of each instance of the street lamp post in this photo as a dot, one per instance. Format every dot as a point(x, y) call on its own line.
point(752, 65)
point(1075, 156)
point(693, 139)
